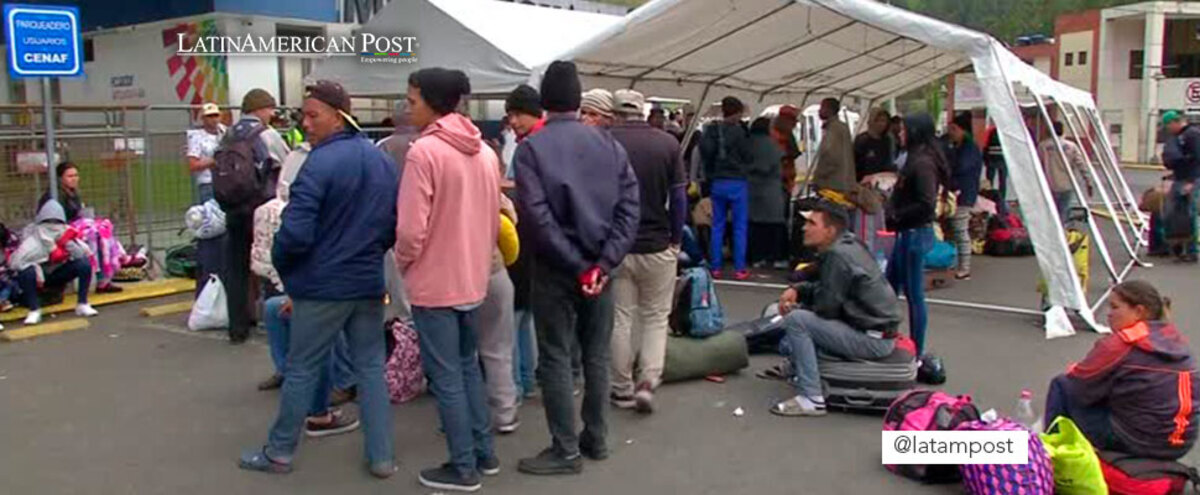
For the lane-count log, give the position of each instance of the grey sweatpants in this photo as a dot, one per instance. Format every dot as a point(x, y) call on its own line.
point(497, 334)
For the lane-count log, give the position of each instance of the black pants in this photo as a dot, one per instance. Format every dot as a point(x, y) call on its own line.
point(768, 242)
point(239, 229)
point(566, 320)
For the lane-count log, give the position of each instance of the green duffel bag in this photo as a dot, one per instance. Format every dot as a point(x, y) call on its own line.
point(690, 359)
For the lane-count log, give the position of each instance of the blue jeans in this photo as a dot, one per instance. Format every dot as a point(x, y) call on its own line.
point(279, 329)
point(315, 327)
point(906, 273)
point(806, 332)
point(728, 193)
point(1191, 200)
point(1094, 421)
point(451, 360)
point(525, 353)
point(61, 275)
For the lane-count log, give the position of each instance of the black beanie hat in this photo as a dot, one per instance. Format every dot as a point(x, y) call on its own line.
point(561, 90)
point(963, 120)
point(524, 100)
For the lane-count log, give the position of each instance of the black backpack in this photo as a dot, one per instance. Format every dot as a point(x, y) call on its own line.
point(237, 181)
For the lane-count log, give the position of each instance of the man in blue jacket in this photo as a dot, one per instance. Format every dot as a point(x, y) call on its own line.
point(329, 251)
point(578, 198)
point(967, 162)
point(1186, 172)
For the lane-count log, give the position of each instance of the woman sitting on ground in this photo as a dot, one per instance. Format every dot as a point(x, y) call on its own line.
point(1135, 392)
point(98, 233)
point(51, 254)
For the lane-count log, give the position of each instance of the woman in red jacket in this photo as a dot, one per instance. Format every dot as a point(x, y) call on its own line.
point(1135, 392)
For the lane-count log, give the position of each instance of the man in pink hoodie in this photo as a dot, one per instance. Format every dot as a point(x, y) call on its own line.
point(447, 225)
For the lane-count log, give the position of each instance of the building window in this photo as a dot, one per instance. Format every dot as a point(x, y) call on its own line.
point(1070, 60)
point(1181, 48)
point(1082, 59)
point(1136, 63)
point(89, 50)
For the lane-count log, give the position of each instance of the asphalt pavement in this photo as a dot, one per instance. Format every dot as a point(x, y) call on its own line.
point(142, 406)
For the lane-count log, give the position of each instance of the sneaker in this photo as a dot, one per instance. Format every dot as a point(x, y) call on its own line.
point(340, 422)
point(489, 466)
point(34, 317)
point(550, 462)
point(339, 396)
point(273, 382)
point(621, 401)
point(5, 306)
point(257, 460)
point(742, 275)
point(508, 428)
point(1189, 258)
point(718, 274)
point(962, 276)
point(1, 327)
point(644, 398)
point(109, 289)
point(86, 310)
point(446, 477)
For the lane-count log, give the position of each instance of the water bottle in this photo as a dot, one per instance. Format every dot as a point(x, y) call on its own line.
point(1026, 414)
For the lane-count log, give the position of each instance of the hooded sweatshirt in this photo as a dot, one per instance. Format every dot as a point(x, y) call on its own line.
point(447, 215)
point(1146, 376)
point(41, 238)
point(338, 222)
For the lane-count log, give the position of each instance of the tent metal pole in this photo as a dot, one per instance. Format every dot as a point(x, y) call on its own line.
point(842, 62)
point(864, 86)
point(722, 36)
point(938, 302)
point(1108, 292)
point(1102, 132)
point(1068, 113)
point(781, 53)
point(1062, 154)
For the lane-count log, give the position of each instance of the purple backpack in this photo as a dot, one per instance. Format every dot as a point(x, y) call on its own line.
point(1034, 478)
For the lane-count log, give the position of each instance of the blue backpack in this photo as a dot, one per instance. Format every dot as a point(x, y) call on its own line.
point(704, 315)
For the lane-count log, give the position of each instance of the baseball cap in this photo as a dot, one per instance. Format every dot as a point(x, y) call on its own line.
point(1171, 116)
point(628, 101)
point(210, 109)
point(333, 94)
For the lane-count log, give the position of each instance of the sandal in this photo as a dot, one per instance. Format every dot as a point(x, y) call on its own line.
point(793, 408)
point(781, 372)
point(260, 461)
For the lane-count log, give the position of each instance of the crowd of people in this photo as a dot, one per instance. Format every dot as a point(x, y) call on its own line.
point(523, 276)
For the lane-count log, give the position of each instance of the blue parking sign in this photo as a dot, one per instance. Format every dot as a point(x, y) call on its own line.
point(43, 40)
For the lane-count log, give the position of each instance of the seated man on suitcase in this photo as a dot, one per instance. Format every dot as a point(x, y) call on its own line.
point(847, 309)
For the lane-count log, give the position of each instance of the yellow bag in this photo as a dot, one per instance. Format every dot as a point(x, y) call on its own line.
point(1076, 467)
point(507, 241)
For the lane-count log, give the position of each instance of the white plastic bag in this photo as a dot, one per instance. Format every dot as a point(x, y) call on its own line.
point(210, 311)
point(206, 221)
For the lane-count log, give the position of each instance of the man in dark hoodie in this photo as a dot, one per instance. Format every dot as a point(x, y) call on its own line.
point(725, 151)
point(1187, 174)
point(578, 197)
point(1136, 391)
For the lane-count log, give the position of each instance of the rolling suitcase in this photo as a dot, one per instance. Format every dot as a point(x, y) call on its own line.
point(868, 386)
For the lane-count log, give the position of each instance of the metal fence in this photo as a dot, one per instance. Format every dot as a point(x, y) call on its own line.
point(131, 161)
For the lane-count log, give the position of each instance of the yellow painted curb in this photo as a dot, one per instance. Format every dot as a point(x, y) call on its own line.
point(133, 292)
point(44, 329)
point(167, 309)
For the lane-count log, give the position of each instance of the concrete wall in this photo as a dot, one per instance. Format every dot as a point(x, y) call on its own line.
point(1119, 96)
point(1075, 46)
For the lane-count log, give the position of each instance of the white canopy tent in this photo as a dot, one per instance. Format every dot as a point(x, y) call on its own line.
point(861, 51)
point(495, 43)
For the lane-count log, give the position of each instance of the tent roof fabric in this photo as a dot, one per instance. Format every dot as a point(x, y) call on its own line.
point(773, 51)
point(495, 43)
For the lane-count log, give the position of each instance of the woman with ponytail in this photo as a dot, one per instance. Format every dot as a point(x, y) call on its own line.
point(1135, 392)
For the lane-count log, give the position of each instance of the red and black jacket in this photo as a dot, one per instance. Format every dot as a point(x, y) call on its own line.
point(1146, 376)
